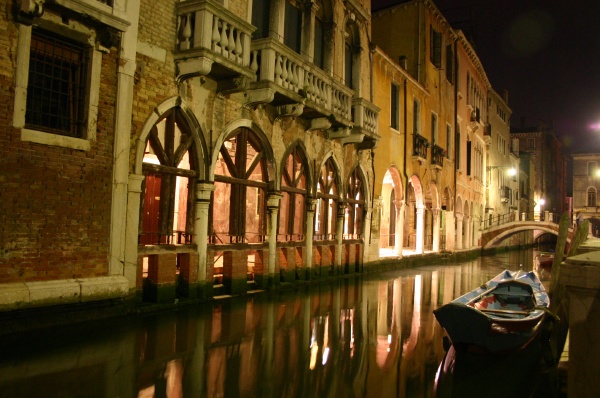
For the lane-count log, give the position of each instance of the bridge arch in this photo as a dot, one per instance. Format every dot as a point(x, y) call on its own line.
point(492, 236)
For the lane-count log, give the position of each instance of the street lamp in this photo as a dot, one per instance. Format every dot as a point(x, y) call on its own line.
point(511, 169)
point(542, 202)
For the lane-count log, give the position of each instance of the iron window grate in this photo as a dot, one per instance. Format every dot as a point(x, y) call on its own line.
point(56, 90)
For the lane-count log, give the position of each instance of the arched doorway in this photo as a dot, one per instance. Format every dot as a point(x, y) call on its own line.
point(238, 226)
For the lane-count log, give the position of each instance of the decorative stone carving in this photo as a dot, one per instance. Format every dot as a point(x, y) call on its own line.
point(29, 10)
point(193, 67)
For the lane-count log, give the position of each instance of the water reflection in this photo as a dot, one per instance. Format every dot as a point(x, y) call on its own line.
point(360, 337)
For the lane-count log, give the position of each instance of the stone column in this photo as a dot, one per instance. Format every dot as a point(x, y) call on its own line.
point(339, 237)
point(468, 233)
point(459, 232)
point(309, 234)
point(399, 234)
point(134, 188)
point(277, 20)
point(366, 236)
point(203, 193)
point(272, 210)
point(435, 245)
point(449, 230)
point(420, 232)
point(308, 30)
point(121, 144)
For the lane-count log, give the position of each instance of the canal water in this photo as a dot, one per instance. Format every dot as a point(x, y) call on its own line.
point(369, 336)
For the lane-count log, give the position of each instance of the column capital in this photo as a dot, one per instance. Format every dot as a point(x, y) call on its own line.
point(273, 199)
point(204, 190)
point(135, 183)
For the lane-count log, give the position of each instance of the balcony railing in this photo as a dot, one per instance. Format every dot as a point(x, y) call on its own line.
point(420, 145)
point(207, 34)
point(364, 116)
point(291, 79)
point(437, 155)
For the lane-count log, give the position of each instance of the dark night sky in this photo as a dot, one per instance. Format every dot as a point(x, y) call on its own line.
point(546, 53)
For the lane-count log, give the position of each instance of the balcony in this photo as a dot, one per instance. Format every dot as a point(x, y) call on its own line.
point(505, 194)
point(297, 88)
point(475, 118)
point(420, 145)
point(212, 41)
point(487, 129)
point(437, 156)
point(364, 117)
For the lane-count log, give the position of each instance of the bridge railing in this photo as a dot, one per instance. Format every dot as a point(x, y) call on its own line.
point(501, 219)
point(498, 220)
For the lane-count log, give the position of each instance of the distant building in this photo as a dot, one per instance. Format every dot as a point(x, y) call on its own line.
point(503, 170)
point(586, 183)
point(550, 168)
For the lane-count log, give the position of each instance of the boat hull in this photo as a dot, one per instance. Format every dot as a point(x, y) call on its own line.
point(494, 318)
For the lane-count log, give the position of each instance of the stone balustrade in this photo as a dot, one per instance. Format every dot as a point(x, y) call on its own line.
point(274, 62)
point(207, 25)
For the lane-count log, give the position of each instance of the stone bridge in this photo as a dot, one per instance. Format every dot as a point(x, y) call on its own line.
point(491, 236)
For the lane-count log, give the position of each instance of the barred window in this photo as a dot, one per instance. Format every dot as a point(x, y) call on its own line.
point(56, 93)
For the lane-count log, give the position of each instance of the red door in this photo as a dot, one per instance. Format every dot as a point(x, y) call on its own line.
point(151, 213)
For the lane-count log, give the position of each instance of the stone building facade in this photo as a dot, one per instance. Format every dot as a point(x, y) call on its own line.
point(586, 183)
point(415, 92)
point(159, 151)
point(550, 168)
point(503, 169)
point(211, 140)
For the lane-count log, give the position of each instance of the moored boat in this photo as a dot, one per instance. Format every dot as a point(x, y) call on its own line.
point(504, 314)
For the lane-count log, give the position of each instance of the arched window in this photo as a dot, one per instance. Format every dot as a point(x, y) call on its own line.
point(169, 167)
point(238, 214)
point(292, 215)
point(591, 197)
point(327, 202)
point(355, 205)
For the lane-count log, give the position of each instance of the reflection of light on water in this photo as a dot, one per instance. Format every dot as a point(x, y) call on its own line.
point(325, 355)
point(314, 341)
point(417, 294)
point(314, 348)
point(347, 327)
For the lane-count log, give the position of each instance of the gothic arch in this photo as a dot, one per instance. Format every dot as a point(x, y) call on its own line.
point(232, 128)
point(192, 125)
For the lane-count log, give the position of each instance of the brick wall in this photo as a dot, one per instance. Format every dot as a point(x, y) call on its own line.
point(54, 201)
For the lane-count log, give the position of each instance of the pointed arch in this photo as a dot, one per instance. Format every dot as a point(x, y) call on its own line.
point(242, 178)
point(295, 185)
point(170, 155)
point(328, 197)
point(187, 118)
point(355, 204)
